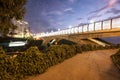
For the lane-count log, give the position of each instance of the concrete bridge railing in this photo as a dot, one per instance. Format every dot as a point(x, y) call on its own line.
point(100, 26)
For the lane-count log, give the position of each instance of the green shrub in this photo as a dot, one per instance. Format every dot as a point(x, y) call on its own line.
point(70, 50)
point(3, 73)
point(33, 61)
point(8, 67)
point(1, 50)
point(58, 53)
point(116, 59)
point(30, 61)
point(77, 48)
point(87, 47)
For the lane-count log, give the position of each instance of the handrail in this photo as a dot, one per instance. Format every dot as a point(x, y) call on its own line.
point(108, 24)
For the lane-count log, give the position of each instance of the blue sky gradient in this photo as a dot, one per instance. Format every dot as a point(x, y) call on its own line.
point(47, 15)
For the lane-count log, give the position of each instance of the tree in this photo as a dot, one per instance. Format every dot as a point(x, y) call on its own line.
point(10, 9)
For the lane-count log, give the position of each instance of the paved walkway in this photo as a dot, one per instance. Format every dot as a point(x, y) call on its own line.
point(92, 65)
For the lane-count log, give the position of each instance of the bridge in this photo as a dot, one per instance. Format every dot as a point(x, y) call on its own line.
point(105, 28)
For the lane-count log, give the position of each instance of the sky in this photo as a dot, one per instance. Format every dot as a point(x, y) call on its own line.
point(51, 15)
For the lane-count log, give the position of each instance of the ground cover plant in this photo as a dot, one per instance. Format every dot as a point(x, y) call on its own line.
point(33, 61)
point(116, 59)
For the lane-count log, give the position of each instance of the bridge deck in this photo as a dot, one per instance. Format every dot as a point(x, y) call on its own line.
point(111, 25)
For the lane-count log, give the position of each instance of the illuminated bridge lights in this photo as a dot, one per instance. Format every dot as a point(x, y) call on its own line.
point(96, 26)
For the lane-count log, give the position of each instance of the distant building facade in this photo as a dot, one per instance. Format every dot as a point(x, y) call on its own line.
point(23, 30)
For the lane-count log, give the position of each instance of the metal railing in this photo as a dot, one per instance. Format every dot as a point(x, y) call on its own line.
point(92, 27)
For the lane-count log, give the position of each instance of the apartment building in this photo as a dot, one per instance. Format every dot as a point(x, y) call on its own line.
point(23, 29)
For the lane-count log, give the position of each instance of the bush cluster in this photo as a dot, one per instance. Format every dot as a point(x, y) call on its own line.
point(89, 47)
point(116, 59)
point(33, 61)
point(8, 67)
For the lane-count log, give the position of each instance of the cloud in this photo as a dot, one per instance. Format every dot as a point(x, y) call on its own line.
point(99, 10)
point(59, 12)
point(113, 17)
point(114, 11)
point(79, 18)
point(103, 10)
point(94, 17)
point(118, 1)
point(72, 1)
point(51, 29)
point(68, 11)
point(40, 25)
point(110, 4)
point(56, 12)
point(40, 12)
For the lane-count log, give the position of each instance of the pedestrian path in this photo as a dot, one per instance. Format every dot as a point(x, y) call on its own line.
point(92, 65)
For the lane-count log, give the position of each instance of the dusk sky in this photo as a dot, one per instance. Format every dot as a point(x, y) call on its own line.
point(47, 15)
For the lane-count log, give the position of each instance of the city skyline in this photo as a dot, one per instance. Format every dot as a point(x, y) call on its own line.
point(47, 15)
